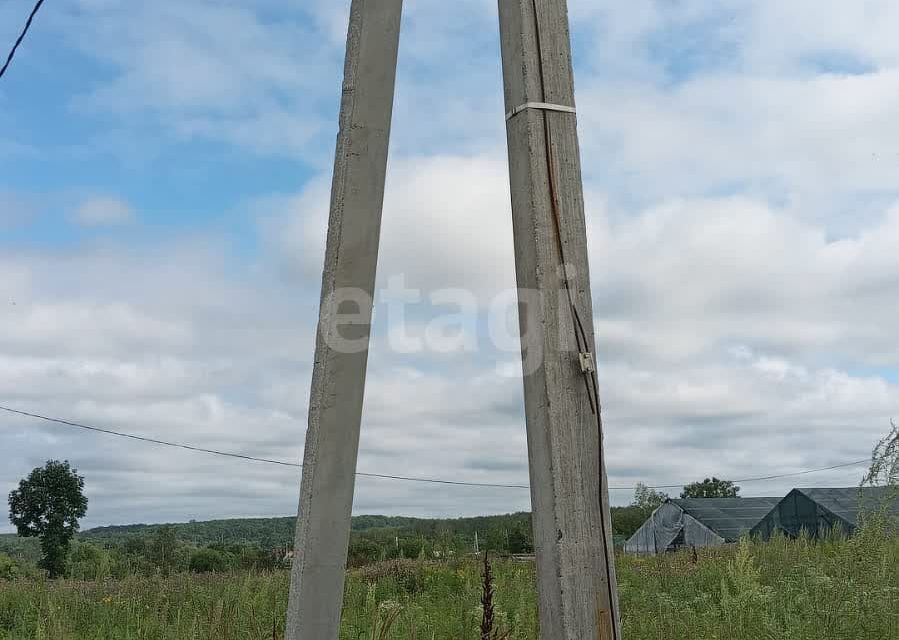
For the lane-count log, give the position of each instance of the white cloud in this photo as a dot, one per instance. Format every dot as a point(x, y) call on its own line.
point(728, 342)
point(727, 271)
point(103, 211)
point(742, 215)
point(209, 70)
point(446, 223)
point(819, 142)
point(719, 319)
point(168, 344)
point(780, 34)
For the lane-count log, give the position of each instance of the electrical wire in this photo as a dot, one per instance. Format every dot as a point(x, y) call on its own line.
point(15, 47)
point(383, 476)
point(240, 456)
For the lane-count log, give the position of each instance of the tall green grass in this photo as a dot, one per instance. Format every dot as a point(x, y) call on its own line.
point(789, 590)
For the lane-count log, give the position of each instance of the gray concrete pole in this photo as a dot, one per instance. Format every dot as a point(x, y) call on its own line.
point(572, 529)
point(341, 355)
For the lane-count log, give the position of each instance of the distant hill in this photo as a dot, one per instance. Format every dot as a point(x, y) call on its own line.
point(272, 533)
point(21, 548)
point(266, 532)
point(373, 537)
point(278, 532)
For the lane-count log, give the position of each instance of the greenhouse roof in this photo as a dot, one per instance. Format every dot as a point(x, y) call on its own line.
point(846, 503)
point(728, 517)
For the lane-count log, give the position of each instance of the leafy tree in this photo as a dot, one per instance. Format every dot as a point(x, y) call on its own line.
point(47, 505)
point(16, 568)
point(519, 542)
point(648, 499)
point(412, 547)
point(626, 520)
point(884, 469)
point(880, 513)
point(163, 549)
point(446, 542)
point(711, 488)
point(209, 561)
point(135, 546)
point(497, 539)
point(363, 551)
point(88, 562)
point(255, 558)
point(9, 568)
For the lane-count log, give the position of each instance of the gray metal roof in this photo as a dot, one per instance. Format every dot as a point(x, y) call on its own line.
point(730, 518)
point(846, 503)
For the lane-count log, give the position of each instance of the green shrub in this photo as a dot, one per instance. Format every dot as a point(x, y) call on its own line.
point(9, 568)
point(17, 569)
point(363, 551)
point(88, 562)
point(256, 559)
point(209, 561)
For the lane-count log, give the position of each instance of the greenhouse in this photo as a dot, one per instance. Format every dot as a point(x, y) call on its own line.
point(698, 522)
point(817, 511)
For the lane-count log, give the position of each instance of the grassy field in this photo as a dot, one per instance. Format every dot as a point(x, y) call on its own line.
point(793, 590)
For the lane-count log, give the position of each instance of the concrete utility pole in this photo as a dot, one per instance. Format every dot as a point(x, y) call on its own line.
point(341, 356)
point(572, 529)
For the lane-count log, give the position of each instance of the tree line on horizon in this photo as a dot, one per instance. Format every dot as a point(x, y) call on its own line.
point(49, 503)
point(49, 535)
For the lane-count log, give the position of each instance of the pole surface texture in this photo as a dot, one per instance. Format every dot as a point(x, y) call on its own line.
point(572, 529)
point(341, 356)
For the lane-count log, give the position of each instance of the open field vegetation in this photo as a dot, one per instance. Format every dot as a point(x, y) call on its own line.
point(782, 589)
point(373, 538)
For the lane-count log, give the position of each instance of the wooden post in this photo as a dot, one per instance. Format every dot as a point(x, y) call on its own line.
point(572, 529)
point(341, 356)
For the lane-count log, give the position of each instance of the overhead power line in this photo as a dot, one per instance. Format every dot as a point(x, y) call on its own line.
point(15, 47)
point(844, 465)
point(240, 456)
point(383, 476)
point(164, 443)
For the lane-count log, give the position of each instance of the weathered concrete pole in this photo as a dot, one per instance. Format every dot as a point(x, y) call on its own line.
point(572, 529)
point(341, 356)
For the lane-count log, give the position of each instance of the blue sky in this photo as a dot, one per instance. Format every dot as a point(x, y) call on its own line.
point(61, 145)
point(164, 175)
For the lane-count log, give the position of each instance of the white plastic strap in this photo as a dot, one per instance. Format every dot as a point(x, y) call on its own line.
point(545, 106)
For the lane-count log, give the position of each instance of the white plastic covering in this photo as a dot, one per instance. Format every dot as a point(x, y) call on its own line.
point(662, 532)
